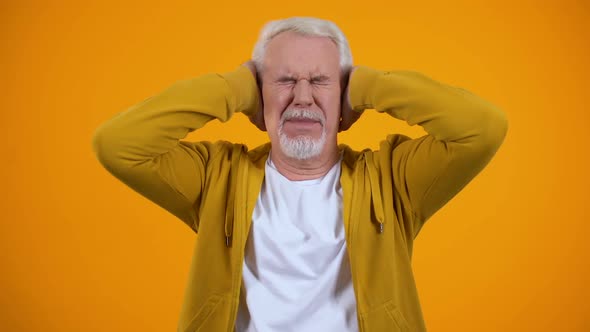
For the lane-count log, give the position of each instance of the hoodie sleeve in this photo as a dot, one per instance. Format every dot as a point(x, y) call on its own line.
point(464, 132)
point(142, 145)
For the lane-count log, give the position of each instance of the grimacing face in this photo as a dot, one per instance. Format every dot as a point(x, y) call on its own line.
point(302, 73)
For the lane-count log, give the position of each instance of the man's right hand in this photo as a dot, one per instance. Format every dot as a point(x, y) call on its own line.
point(257, 118)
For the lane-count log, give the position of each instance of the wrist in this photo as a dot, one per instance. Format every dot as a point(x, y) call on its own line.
point(243, 88)
point(361, 84)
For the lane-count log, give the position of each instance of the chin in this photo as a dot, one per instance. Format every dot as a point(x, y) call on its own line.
point(302, 147)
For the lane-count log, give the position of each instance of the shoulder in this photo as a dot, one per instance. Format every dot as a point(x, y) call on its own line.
point(386, 146)
point(259, 153)
point(350, 156)
point(222, 151)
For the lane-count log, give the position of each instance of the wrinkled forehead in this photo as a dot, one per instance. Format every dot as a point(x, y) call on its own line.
point(290, 54)
point(307, 71)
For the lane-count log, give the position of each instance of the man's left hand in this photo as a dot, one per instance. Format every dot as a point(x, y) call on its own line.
point(347, 115)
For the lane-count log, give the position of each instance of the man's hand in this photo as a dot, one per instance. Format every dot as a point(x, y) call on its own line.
point(347, 115)
point(257, 118)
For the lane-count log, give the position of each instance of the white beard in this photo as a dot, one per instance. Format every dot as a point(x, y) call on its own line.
point(302, 147)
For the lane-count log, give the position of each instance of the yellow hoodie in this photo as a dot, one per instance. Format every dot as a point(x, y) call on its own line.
point(388, 194)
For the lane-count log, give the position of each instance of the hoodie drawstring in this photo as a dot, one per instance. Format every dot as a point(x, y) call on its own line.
point(232, 188)
point(376, 199)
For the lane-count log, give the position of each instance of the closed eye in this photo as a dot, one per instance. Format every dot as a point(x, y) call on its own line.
point(319, 80)
point(286, 80)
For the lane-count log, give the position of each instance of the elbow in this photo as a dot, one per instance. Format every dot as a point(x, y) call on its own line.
point(104, 147)
point(495, 125)
point(100, 143)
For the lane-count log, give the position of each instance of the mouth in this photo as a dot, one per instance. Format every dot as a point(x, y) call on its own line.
point(303, 120)
point(303, 123)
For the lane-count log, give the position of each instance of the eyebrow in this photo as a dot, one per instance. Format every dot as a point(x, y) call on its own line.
point(289, 77)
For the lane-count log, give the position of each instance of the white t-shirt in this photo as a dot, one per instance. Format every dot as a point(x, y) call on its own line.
point(296, 273)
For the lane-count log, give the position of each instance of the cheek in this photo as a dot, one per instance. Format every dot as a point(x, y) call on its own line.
point(331, 105)
point(274, 104)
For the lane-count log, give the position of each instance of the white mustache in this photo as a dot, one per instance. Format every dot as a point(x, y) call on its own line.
point(302, 114)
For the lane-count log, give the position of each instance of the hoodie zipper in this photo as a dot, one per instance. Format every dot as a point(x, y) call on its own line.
point(352, 224)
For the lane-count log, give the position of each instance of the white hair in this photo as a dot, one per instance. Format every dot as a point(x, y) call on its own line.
point(306, 26)
point(302, 147)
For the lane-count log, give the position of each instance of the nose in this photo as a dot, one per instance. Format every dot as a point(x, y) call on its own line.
point(302, 93)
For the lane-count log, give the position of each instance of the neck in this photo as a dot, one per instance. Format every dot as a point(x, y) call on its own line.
point(298, 170)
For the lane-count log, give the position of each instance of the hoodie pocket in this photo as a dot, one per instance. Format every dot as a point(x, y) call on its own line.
point(204, 313)
point(384, 317)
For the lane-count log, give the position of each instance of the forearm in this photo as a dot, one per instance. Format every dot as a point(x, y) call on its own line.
point(445, 112)
point(155, 125)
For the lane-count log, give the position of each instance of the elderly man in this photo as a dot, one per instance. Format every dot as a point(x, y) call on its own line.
point(301, 233)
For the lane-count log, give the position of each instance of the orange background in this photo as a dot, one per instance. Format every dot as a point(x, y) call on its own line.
point(82, 252)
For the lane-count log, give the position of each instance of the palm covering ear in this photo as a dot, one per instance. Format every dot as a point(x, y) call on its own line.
point(347, 115)
point(257, 118)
